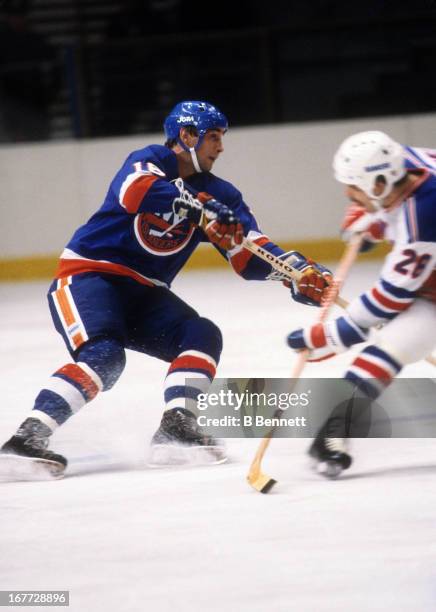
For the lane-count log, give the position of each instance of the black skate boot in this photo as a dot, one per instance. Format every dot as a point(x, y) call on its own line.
point(26, 456)
point(180, 441)
point(330, 453)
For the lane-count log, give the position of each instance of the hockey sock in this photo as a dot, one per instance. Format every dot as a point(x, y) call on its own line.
point(66, 391)
point(193, 369)
point(372, 371)
point(99, 365)
point(190, 374)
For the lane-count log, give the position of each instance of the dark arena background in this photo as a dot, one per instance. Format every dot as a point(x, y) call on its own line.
point(87, 68)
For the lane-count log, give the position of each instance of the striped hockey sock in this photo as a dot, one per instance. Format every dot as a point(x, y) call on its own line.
point(190, 374)
point(66, 391)
point(373, 370)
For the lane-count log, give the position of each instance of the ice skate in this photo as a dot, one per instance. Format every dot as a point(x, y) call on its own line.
point(25, 456)
point(329, 451)
point(179, 442)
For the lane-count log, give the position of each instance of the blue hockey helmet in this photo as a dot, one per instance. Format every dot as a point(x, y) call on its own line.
point(201, 115)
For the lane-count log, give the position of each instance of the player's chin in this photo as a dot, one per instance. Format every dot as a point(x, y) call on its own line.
point(207, 164)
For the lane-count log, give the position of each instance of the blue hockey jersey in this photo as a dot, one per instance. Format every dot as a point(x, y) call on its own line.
point(135, 232)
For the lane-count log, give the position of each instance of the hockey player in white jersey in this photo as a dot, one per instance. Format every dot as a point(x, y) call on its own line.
point(392, 190)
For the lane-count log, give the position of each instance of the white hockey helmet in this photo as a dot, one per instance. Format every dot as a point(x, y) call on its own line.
point(364, 157)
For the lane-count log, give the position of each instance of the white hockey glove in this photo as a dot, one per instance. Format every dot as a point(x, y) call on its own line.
point(325, 340)
point(358, 220)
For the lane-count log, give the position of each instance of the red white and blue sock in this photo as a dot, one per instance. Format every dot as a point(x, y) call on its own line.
point(66, 391)
point(189, 374)
point(373, 370)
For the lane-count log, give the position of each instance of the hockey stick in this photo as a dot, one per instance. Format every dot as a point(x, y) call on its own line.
point(256, 478)
point(275, 262)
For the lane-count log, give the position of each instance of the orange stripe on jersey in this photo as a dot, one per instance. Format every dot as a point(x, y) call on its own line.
point(69, 267)
point(65, 307)
point(204, 197)
point(240, 260)
point(75, 372)
point(136, 191)
point(78, 340)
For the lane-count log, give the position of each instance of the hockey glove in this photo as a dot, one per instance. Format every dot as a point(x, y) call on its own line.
point(357, 219)
point(220, 223)
point(310, 289)
point(187, 206)
point(325, 340)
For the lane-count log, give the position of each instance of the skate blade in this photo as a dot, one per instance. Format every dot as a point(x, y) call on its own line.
point(164, 455)
point(17, 468)
point(328, 469)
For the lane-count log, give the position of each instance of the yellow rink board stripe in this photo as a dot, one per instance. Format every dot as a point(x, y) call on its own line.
point(42, 267)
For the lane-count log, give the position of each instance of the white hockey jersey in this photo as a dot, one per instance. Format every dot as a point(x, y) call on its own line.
point(409, 271)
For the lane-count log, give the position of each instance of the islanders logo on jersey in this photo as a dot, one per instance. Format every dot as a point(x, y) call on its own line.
point(162, 235)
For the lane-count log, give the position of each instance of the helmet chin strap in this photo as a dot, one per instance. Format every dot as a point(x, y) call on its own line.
point(192, 151)
point(378, 201)
point(195, 159)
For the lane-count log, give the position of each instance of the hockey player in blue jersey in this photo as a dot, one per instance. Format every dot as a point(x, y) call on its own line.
point(112, 287)
point(392, 190)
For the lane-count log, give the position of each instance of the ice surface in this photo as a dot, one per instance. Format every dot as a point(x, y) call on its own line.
point(121, 537)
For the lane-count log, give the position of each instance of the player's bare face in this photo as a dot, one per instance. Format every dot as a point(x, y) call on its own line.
point(210, 149)
point(359, 197)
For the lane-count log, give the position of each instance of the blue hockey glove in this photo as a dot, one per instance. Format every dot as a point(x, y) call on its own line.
point(220, 224)
point(218, 221)
point(324, 340)
point(311, 288)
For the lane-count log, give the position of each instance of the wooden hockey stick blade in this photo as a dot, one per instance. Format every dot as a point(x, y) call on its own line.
point(255, 477)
